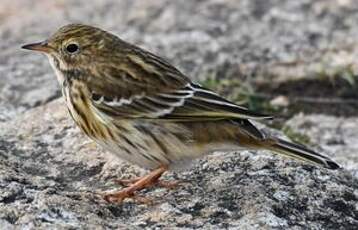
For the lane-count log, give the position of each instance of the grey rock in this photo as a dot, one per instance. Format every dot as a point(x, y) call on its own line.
point(51, 176)
point(335, 135)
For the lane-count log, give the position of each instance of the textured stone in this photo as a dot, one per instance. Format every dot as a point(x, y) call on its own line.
point(51, 176)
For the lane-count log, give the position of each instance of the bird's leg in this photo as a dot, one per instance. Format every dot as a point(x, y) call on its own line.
point(127, 182)
point(140, 184)
point(159, 183)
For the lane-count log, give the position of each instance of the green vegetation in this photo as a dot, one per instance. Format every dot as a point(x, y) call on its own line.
point(241, 92)
point(295, 136)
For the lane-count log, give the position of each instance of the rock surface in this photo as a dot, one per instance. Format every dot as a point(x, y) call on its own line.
point(51, 176)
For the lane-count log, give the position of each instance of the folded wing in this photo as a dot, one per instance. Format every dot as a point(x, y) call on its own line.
point(188, 103)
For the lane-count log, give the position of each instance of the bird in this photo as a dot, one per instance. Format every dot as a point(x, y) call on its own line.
point(143, 110)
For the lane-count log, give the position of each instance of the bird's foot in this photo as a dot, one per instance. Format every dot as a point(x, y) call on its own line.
point(136, 185)
point(159, 183)
point(120, 196)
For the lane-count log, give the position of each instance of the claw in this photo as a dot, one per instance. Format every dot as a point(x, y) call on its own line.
point(118, 197)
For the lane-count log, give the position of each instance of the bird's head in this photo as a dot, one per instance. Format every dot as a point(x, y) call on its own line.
point(76, 45)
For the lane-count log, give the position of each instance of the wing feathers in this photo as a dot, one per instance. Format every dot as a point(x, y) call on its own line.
point(191, 102)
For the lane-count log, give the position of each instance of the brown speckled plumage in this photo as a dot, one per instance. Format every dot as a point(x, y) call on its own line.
point(144, 110)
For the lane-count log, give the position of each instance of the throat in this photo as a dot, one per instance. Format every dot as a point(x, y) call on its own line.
point(56, 67)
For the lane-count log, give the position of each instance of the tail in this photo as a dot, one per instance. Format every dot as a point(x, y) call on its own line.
point(301, 152)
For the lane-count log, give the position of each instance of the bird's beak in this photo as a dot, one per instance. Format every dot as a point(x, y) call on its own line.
point(40, 46)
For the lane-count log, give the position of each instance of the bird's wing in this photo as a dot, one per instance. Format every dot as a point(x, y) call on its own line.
point(145, 86)
point(189, 103)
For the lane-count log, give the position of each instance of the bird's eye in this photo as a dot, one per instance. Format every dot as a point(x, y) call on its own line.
point(72, 48)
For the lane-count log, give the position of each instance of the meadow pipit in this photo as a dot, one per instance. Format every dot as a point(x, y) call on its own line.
point(143, 110)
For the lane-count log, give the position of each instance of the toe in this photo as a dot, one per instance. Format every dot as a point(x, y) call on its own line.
point(117, 197)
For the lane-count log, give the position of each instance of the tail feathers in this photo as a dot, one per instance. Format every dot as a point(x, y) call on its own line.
point(300, 152)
